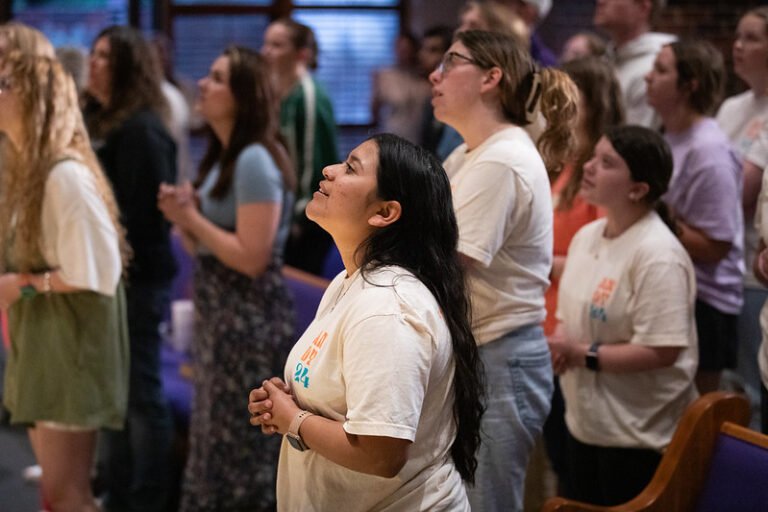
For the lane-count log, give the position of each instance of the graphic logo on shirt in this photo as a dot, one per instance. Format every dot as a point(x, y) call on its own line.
point(301, 375)
point(599, 299)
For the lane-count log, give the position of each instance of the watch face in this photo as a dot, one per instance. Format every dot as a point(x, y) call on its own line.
point(296, 442)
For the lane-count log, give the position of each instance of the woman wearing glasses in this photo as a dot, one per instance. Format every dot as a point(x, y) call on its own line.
point(488, 88)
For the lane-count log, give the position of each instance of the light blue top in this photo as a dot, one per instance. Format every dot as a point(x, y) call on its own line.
point(257, 179)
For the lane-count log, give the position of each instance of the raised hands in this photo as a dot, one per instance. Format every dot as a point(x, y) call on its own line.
point(177, 202)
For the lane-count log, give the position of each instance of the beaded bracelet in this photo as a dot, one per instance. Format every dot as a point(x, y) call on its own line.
point(47, 283)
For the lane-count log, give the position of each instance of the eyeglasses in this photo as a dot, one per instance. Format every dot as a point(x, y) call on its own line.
point(449, 62)
point(5, 84)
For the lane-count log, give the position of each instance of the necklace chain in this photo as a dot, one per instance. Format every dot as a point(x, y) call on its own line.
point(344, 289)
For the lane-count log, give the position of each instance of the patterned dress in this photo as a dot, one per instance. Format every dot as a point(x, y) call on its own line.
point(244, 329)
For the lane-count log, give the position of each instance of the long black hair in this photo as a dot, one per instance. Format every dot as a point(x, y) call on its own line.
point(424, 241)
point(135, 82)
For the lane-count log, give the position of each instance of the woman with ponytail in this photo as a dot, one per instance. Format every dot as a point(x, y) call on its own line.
point(384, 397)
point(625, 347)
point(684, 87)
point(488, 88)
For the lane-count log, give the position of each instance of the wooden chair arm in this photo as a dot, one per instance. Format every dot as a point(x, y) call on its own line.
point(683, 470)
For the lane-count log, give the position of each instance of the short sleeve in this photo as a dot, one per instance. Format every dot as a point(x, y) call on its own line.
point(80, 231)
point(662, 308)
point(762, 209)
point(485, 203)
point(257, 178)
point(712, 192)
point(386, 365)
point(758, 151)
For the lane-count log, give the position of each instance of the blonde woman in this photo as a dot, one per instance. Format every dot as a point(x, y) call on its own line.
point(67, 372)
point(17, 36)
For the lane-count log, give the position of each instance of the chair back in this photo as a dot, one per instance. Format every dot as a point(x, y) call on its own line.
point(738, 474)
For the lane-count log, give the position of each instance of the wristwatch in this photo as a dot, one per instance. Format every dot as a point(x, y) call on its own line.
point(293, 431)
point(591, 360)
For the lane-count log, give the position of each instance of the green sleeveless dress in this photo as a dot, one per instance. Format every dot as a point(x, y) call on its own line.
point(68, 361)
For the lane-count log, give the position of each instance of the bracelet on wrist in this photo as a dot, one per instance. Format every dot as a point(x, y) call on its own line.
point(47, 288)
point(27, 291)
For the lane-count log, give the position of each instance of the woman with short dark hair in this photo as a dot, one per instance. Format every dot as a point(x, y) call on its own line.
point(684, 87)
point(625, 347)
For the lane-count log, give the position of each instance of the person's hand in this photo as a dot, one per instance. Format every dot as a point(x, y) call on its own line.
point(762, 264)
point(566, 354)
point(177, 203)
point(10, 289)
point(260, 405)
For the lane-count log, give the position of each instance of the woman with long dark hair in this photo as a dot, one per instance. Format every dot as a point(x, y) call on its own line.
point(125, 112)
point(243, 314)
point(383, 402)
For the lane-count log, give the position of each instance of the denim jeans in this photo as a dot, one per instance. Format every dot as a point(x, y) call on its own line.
point(750, 337)
point(134, 463)
point(518, 375)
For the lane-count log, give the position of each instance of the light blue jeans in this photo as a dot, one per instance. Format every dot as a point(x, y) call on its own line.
point(518, 375)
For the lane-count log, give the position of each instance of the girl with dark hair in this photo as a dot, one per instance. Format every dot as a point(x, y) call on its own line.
point(684, 87)
point(383, 402)
point(125, 113)
point(488, 88)
point(308, 128)
point(244, 316)
point(625, 347)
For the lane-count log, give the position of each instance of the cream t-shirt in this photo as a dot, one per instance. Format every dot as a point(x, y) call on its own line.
point(79, 239)
point(637, 288)
point(743, 119)
point(762, 228)
point(504, 210)
point(378, 358)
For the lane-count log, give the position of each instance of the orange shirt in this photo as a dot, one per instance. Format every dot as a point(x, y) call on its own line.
point(565, 225)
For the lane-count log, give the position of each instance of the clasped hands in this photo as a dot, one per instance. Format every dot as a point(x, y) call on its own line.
point(272, 406)
point(177, 202)
point(566, 353)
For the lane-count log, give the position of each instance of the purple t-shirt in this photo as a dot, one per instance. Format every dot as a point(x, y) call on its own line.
point(705, 193)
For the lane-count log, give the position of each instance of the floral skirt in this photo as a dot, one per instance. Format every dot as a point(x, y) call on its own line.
point(243, 333)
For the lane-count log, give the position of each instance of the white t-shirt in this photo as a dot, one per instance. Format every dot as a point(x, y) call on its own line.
point(504, 210)
point(637, 288)
point(743, 118)
point(79, 238)
point(762, 228)
point(378, 358)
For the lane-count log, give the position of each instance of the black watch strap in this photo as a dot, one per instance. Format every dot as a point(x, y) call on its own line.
point(591, 359)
